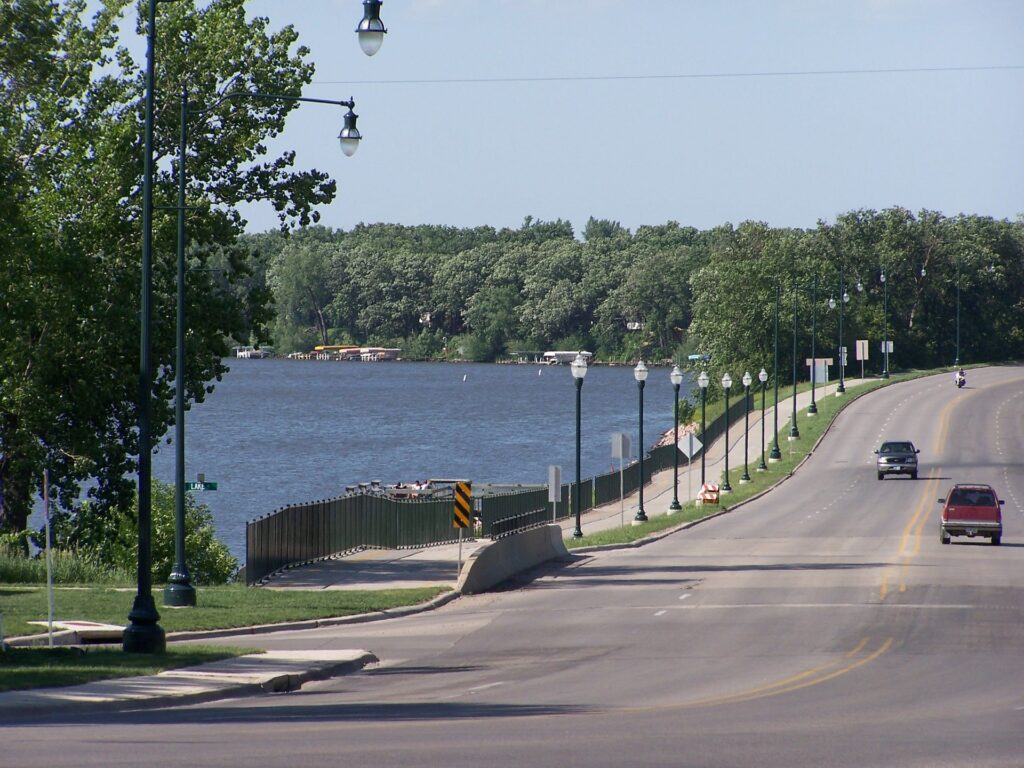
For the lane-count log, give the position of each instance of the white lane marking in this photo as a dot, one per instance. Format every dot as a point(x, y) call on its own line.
point(778, 606)
point(683, 597)
point(484, 687)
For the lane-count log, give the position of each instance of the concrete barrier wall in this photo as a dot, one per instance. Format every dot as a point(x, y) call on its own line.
point(502, 559)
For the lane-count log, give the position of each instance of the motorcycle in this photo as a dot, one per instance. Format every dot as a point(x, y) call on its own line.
point(960, 380)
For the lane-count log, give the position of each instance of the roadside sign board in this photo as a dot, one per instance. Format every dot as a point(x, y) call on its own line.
point(462, 512)
point(208, 485)
point(554, 483)
point(862, 349)
point(689, 444)
point(621, 447)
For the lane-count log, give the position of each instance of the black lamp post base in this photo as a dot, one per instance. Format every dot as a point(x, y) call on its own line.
point(840, 390)
point(812, 409)
point(885, 374)
point(675, 506)
point(577, 534)
point(761, 467)
point(144, 634)
point(640, 518)
point(745, 478)
point(179, 593)
point(726, 488)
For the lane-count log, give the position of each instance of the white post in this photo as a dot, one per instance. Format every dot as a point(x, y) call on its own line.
point(622, 497)
point(459, 571)
point(49, 554)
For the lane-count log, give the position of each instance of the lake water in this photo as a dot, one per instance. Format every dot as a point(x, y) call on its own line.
point(278, 432)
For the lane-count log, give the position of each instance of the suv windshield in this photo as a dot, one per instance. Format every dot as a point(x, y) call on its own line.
point(896, 448)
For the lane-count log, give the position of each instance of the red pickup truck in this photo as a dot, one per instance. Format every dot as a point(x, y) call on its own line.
point(971, 510)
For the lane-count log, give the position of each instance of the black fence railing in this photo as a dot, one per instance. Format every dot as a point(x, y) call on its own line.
point(301, 533)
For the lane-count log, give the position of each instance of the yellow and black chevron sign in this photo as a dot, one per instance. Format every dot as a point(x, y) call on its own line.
point(463, 505)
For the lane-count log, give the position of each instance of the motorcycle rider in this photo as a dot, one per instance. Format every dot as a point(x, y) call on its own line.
point(960, 378)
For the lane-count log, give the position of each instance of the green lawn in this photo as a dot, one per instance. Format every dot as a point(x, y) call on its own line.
point(218, 607)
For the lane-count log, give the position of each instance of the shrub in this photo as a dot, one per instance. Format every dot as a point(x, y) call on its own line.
point(109, 543)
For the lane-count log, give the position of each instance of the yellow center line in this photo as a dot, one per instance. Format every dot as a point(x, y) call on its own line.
point(915, 526)
point(806, 679)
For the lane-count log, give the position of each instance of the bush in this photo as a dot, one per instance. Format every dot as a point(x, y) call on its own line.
point(110, 542)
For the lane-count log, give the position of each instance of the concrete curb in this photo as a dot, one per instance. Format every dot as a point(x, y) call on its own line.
point(179, 687)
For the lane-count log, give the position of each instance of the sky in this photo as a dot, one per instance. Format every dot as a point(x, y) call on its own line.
point(703, 112)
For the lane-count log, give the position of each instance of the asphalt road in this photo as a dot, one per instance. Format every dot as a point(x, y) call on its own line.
point(822, 625)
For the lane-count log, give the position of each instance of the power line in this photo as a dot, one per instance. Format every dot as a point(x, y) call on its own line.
point(689, 76)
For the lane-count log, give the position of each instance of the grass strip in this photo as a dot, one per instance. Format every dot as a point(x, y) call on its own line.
point(221, 607)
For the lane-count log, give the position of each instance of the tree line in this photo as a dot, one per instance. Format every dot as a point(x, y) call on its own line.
point(661, 293)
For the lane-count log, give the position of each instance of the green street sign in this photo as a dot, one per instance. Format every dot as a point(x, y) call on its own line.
point(209, 485)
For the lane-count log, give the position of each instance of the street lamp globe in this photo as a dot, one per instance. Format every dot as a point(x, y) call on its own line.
point(748, 379)
point(349, 136)
point(703, 380)
point(676, 377)
point(640, 372)
point(831, 302)
point(371, 29)
point(726, 381)
point(762, 376)
point(578, 367)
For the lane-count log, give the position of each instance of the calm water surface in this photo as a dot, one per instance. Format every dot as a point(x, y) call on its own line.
point(278, 432)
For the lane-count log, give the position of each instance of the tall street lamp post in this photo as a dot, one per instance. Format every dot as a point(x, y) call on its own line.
point(762, 376)
point(776, 454)
point(640, 374)
point(702, 382)
point(144, 633)
point(579, 370)
point(676, 377)
point(813, 408)
point(726, 384)
point(180, 591)
point(885, 326)
point(745, 478)
point(844, 298)
point(794, 430)
point(956, 362)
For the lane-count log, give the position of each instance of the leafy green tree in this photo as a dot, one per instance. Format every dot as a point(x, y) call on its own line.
point(493, 316)
point(71, 106)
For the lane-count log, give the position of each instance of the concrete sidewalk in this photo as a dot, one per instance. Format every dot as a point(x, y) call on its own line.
point(376, 569)
point(271, 672)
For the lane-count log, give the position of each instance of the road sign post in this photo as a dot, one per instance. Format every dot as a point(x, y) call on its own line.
point(462, 513)
point(621, 450)
point(554, 489)
point(689, 444)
